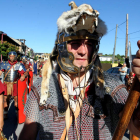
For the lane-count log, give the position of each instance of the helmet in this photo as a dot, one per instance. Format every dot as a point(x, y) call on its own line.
point(24, 59)
point(12, 53)
point(79, 23)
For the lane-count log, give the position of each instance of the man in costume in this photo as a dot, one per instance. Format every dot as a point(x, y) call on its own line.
point(12, 69)
point(77, 100)
point(29, 68)
point(29, 63)
point(24, 61)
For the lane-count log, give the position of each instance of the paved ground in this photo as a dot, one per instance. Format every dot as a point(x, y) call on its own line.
point(12, 129)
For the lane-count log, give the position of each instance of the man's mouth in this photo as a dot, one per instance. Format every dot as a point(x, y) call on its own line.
point(81, 59)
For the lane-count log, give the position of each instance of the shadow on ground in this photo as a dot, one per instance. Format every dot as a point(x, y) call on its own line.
point(10, 124)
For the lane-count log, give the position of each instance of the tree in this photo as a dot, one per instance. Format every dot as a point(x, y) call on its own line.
point(7, 47)
point(35, 57)
point(29, 54)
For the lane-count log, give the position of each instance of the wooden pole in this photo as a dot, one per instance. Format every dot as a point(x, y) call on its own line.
point(128, 110)
point(126, 43)
point(115, 45)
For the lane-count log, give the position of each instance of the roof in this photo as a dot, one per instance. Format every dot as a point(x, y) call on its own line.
point(17, 41)
point(8, 39)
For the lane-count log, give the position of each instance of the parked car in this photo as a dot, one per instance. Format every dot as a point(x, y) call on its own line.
point(115, 71)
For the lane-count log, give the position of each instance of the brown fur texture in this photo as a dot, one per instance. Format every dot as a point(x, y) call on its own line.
point(46, 73)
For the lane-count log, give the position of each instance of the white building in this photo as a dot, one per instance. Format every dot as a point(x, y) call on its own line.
point(105, 58)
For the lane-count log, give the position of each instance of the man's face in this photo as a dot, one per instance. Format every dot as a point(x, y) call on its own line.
point(24, 60)
point(124, 65)
point(11, 57)
point(82, 51)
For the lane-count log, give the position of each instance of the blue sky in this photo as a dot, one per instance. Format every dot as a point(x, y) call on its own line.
point(35, 21)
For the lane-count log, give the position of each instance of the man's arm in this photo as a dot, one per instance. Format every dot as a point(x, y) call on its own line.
point(119, 69)
point(29, 131)
point(134, 125)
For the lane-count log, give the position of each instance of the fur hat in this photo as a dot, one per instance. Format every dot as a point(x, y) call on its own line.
point(82, 17)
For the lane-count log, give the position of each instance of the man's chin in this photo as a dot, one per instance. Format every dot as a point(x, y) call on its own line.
point(82, 68)
point(12, 61)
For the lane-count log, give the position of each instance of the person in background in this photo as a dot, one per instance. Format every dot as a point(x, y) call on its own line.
point(24, 62)
point(12, 69)
point(123, 72)
point(35, 67)
point(29, 63)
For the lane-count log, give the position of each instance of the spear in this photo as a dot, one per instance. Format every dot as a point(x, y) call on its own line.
point(128, 110)
point(130, 56)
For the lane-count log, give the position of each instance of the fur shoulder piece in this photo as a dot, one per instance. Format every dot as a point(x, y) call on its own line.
point(82, 17)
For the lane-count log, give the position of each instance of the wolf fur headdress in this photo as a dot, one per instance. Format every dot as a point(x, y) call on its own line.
point(79, 23)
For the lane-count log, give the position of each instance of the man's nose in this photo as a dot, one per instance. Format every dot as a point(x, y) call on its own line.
point(82, 49)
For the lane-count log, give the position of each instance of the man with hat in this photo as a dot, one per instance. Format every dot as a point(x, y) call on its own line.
point(28, 66)
point(12, 69)
point(24, 60)
point(76, 101)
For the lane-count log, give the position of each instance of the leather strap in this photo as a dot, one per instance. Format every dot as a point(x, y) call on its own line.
point(116, 89)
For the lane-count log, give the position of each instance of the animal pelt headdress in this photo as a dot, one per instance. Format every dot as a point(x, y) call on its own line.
point(79, 23)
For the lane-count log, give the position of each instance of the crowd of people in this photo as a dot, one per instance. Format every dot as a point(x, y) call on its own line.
point(17, 77)
point(76, 100)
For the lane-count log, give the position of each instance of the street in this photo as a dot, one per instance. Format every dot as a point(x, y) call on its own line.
point(12, 129)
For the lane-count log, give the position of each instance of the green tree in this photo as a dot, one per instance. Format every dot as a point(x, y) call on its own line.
point(7, 47)
point(35, 57)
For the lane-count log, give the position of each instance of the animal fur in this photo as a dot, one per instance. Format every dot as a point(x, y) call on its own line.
point(73, 5)
point(46, 73)
point(69, 19)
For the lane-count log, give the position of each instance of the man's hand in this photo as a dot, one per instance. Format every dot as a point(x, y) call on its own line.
point(136, 62)
point(0, 72)
point(22, 77)
point(1, 124)
point(28, 70)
